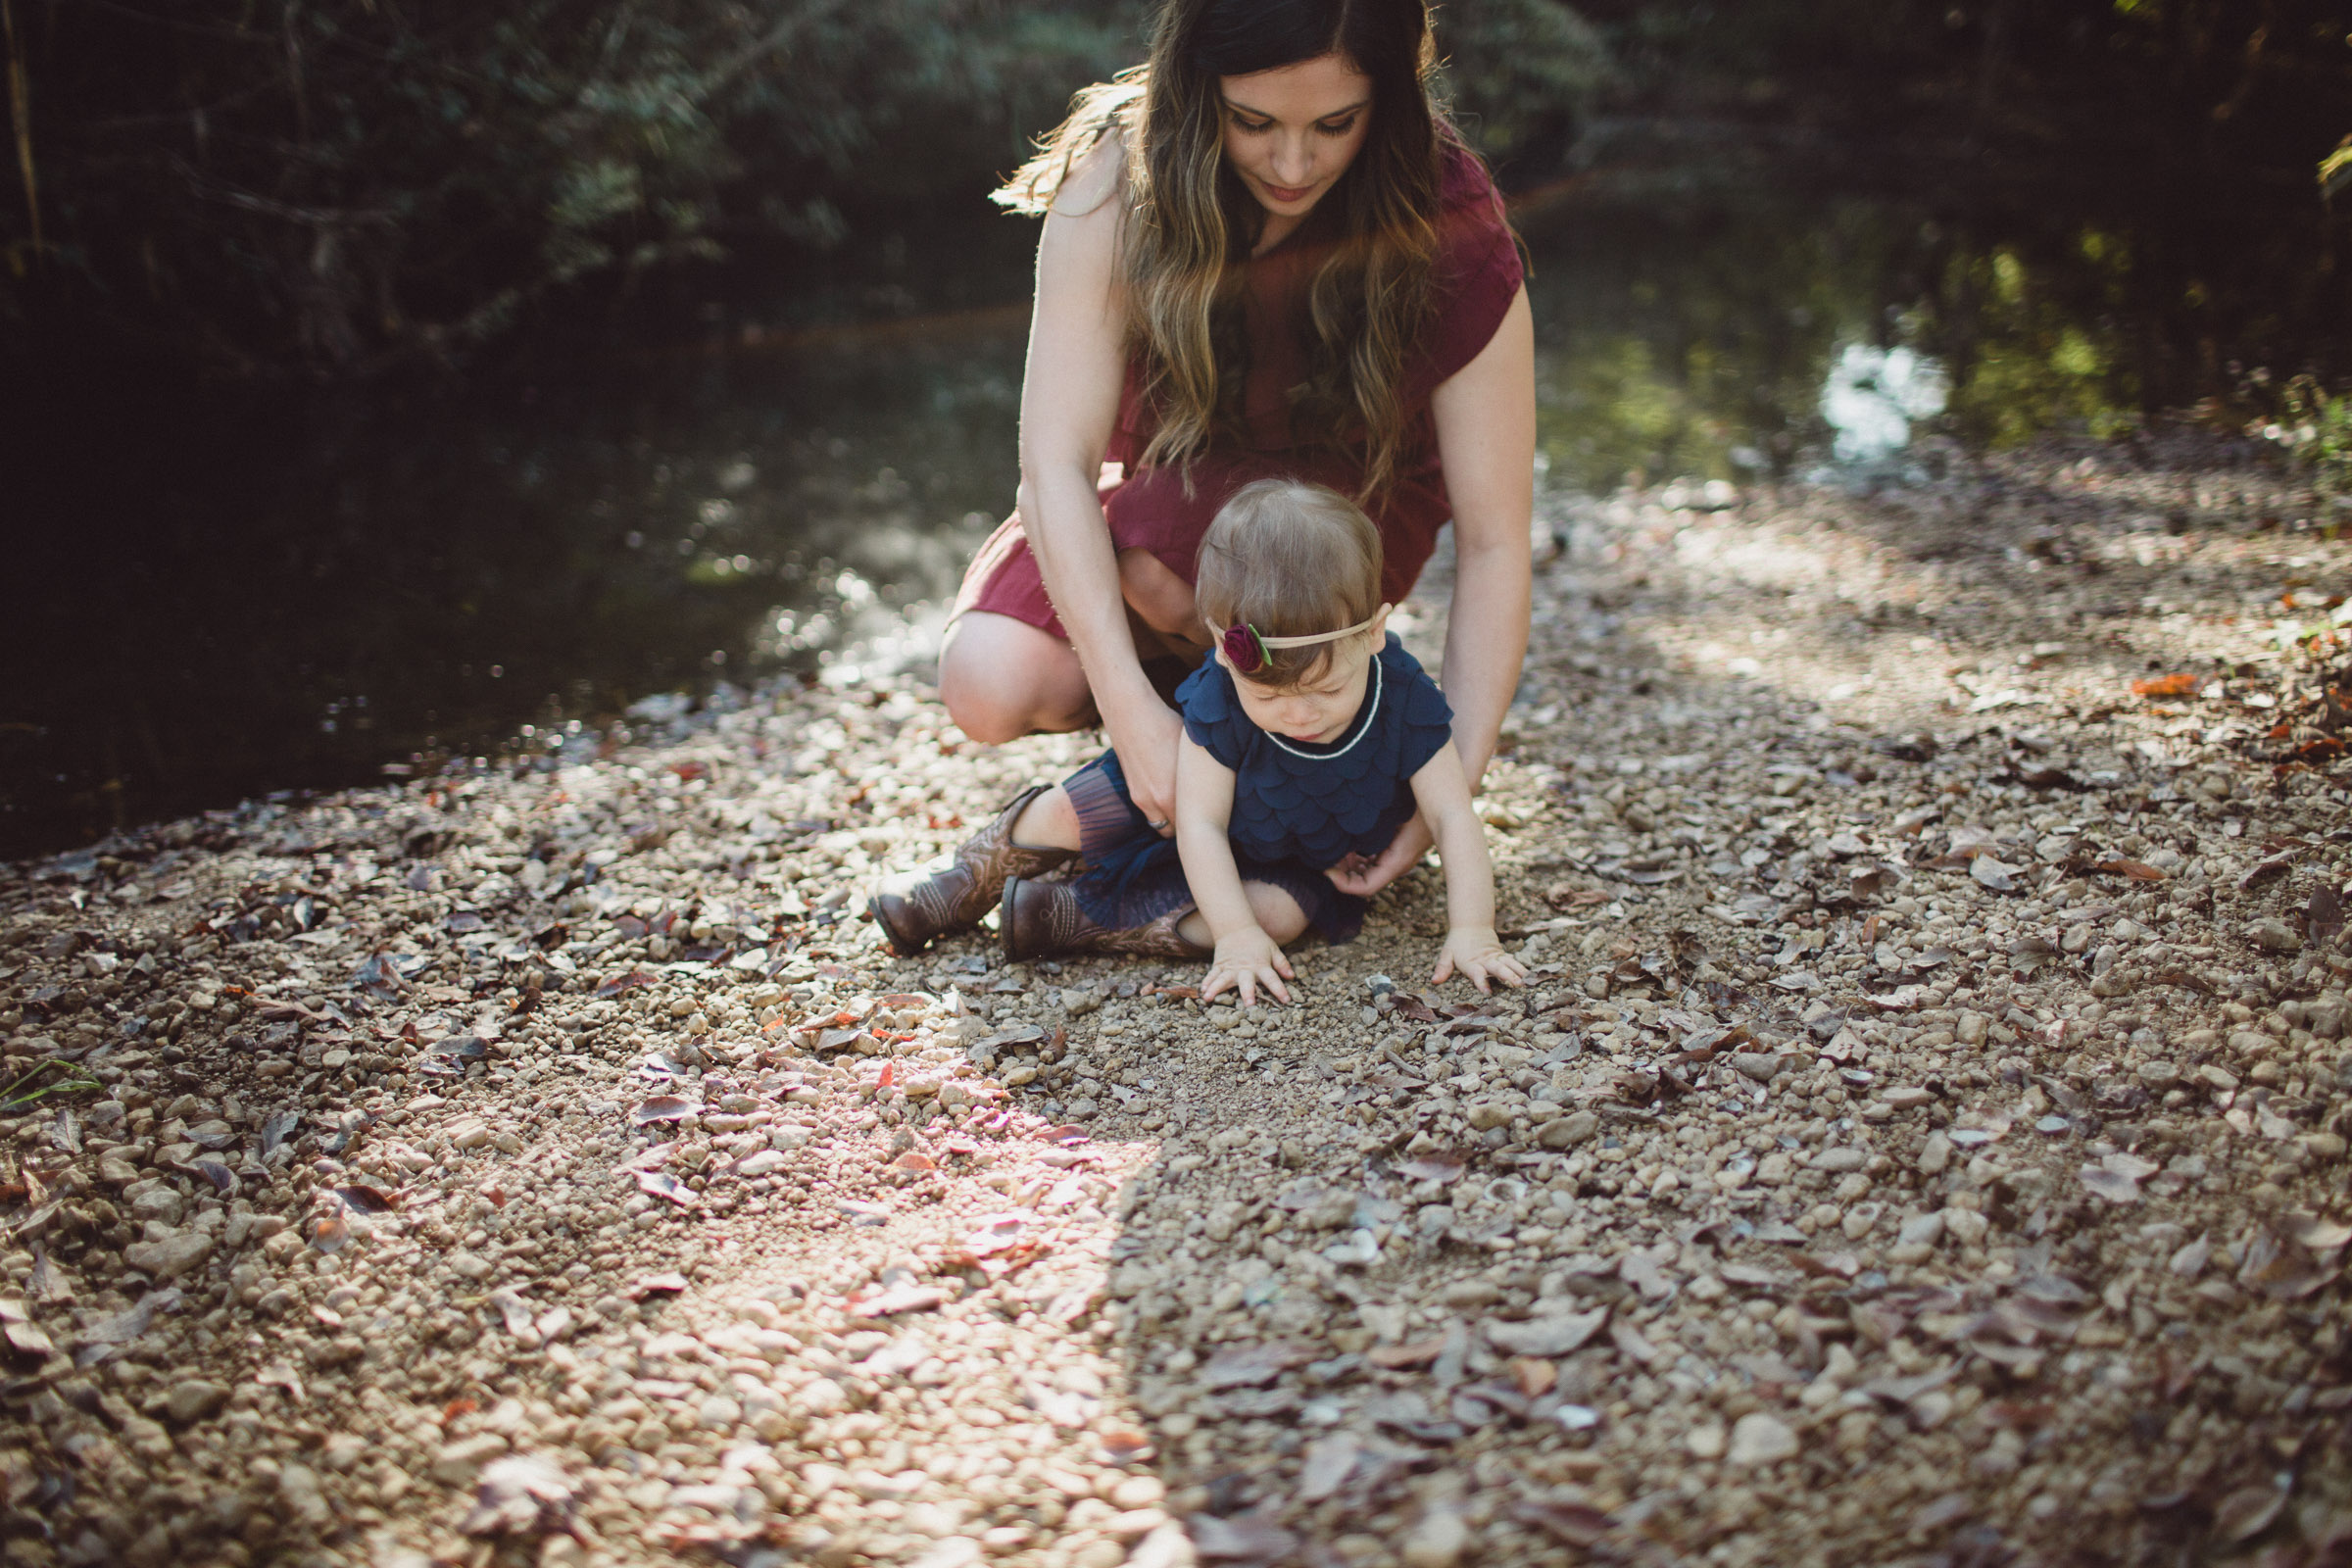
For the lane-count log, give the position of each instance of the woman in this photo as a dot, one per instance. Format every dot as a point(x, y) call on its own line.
point(1265, 255)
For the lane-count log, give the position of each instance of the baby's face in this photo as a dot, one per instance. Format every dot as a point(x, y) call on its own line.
point(1319, 712)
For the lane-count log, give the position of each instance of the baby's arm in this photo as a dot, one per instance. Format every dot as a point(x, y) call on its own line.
point(1246, 957)
point(1443, 790)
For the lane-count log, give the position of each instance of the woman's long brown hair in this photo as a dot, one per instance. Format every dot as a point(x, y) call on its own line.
point(1189, 223)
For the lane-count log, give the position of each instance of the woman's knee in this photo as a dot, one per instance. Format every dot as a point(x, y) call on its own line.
point(1001, 678)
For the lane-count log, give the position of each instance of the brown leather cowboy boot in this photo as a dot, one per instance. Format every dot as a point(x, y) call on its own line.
point(1043, 920)
point(914, 907)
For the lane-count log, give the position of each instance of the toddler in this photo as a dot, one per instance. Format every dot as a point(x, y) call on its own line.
point(1309, 738)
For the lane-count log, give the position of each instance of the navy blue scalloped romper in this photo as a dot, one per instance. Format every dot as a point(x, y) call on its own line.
point(1296, 812)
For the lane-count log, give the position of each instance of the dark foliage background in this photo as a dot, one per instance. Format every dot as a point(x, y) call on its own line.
point(330, 186)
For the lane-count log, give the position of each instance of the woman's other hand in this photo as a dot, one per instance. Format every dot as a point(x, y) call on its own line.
point(1364, 876)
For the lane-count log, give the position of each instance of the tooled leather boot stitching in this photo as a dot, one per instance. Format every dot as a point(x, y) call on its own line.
point(1042, 919)
point(914, 907)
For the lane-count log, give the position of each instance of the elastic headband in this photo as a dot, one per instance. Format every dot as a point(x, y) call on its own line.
point(1245, 649)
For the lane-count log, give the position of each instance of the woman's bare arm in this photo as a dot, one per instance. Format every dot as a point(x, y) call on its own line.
point(1069, 399)
point(1486, 416)
point(1487, 447)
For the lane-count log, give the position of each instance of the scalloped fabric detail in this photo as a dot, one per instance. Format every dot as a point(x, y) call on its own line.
point(1334, 802)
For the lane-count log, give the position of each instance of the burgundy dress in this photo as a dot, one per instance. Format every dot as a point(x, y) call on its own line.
point(1477, 276)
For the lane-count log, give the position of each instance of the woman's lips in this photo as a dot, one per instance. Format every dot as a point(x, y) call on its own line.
point(1295, 193)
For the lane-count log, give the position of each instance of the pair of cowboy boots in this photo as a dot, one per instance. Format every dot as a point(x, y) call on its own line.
point(1041, 919)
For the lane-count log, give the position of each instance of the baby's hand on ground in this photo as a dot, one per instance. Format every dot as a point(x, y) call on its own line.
point(1245, 961)
point(1478, 954)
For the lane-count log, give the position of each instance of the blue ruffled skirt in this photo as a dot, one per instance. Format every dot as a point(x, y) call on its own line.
point(1130, 876)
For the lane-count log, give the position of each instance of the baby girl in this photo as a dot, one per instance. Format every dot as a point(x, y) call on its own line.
point(1310, 738)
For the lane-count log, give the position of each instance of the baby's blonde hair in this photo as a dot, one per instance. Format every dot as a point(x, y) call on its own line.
point(1289, 560)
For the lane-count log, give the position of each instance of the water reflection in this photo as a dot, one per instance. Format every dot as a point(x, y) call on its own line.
point(303, 590)
point(1874, 398)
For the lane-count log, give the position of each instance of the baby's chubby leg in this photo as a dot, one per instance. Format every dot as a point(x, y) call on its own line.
point(1278, 915)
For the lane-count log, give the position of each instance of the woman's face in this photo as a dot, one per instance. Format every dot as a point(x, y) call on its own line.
point(1291, 133)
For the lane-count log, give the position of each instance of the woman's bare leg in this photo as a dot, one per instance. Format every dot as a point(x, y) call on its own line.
point(1002, 679)
point(1160, 605)
point(1278, 915)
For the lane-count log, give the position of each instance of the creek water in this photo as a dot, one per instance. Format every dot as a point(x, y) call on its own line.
point(225, 592)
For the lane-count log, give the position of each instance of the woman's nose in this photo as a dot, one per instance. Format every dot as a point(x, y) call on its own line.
point(1294, 162)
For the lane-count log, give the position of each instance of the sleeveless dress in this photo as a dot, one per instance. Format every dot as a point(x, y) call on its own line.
point(1477, 276)
point(1298, 809)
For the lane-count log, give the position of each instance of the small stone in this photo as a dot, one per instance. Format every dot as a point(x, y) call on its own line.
point(1569, 1131)
point(458, 1464)
point(1760, 1439)
point(760, 1162)
point(193, 1399)
point(170, 1253)
point(1908, 1097)
point(1840, 1160)
point(1139, 1491)
point(1487, 1115)
point(1971, 1028)
point(1923, 1230)
point(2159, 1074)
point(299, 1489)
point(470, 1266)
point(1705, 1441)
point(1757, 1066)
point(469, 1135)
point(1439, 1540)
point(2271, 933)
point(1546, 1337)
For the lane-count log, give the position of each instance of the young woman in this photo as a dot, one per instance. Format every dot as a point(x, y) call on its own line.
point(1265, 256)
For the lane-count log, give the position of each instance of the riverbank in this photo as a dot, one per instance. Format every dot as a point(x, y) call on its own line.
point(1926, 1134)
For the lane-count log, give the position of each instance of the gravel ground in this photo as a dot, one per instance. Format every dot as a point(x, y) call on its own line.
point(1924, 1141)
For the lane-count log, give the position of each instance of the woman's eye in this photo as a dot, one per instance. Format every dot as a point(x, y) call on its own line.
point(1251, 125)
point(1339, 129)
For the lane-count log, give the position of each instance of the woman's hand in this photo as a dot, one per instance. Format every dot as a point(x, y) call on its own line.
point(1245, 960)
point(1478, 952)
point(1364, 877)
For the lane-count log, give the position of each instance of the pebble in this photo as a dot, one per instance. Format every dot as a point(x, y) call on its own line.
point(1569, 1131)
point(193, 1399)
point(1758, 1439)
point(1546, 1337)
point(169, 1254)
point(456, 1464)
point(2274, 933)
point(1438, 1539)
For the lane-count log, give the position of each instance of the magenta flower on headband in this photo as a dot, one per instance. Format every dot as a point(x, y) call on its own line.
point(1243, 651)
